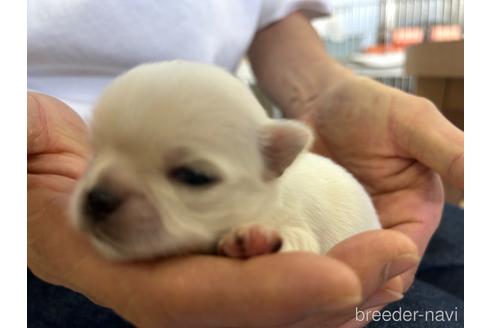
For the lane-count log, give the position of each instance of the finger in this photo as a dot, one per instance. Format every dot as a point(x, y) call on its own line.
point(360, 317)
point(52, 126)
point(389, 292)
point(264, 291)
point(377, 256)
point(429, 137)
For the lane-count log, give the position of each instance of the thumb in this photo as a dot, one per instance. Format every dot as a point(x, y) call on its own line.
point(377, 256)
point(424, 133)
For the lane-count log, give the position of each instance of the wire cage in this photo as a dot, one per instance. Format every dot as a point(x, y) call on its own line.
point(369, 36)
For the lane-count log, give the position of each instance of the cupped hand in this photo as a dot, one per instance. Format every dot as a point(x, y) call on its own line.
point(280, 290)
point(396, 144)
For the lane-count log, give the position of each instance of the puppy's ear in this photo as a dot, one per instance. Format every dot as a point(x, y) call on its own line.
point(281, 141)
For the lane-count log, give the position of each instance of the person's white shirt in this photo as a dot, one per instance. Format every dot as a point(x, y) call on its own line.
point(76, 47)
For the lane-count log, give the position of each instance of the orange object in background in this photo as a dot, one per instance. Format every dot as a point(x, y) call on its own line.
point(401, 38)
point(406, 36)
point(382, 49)
point(446, 33)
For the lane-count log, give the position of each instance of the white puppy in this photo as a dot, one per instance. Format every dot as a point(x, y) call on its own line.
point(186, 161)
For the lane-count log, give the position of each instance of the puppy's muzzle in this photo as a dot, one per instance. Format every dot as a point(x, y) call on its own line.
point(100, 202)
point(113, 212)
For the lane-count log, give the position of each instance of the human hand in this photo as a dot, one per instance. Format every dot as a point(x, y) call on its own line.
point(391, 141)
point(395, 144)
point(283, 290)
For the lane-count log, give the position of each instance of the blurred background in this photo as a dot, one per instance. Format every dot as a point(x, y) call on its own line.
point(371, 36)
point(414, 45)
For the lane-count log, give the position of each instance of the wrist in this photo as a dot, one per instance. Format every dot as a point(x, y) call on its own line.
point(291, 64)
point(303, 87)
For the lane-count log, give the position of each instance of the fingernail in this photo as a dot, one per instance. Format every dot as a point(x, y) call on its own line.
point(399, 265)
point(348, 301)
point(382, 297)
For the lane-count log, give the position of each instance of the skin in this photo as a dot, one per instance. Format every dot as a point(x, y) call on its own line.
point(393, 142)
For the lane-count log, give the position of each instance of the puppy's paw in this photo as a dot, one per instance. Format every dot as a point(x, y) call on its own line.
point(250, 240)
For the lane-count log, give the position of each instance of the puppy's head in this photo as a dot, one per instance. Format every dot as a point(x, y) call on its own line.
point(183, 152)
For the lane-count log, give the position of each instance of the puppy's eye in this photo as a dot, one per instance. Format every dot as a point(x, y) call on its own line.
point(191, 177)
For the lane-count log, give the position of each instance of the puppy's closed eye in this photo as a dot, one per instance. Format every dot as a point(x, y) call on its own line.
point(191, 177)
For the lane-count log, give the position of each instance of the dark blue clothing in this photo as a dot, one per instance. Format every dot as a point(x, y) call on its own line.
point(438, 287)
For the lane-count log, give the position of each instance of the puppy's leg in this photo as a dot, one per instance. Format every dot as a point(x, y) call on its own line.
point(298, 239)
point(250, 240)
point(255, 239)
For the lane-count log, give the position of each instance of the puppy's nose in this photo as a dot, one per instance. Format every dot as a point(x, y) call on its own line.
point(101, 202)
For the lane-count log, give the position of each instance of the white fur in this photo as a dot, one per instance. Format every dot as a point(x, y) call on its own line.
point(163, 115)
